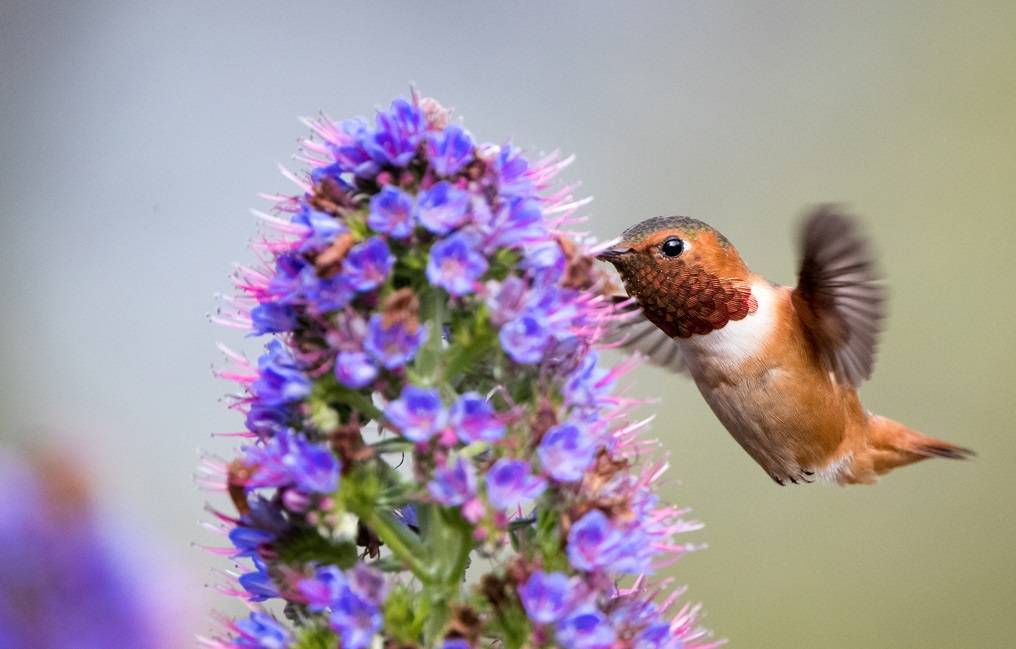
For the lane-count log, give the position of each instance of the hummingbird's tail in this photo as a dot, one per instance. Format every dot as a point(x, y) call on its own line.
point(891, 445)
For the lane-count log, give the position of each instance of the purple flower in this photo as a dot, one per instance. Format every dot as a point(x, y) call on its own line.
point(323, 588)
point(354, 369)
point(352, 156)
point(512, 171)
point(566, 451)
point(395, 346)
point(594, 542)
point(456, 643)
point(507, 300)
point(247, 540)
point(525, 338)
point(587, 383)
point(474, 419)
point(325, 294)
point(321, 229)
point(355, 619)
point(547, 597)
point(287, 284)
point(442, 208)
point(656, 636)
point(417, 414)
point(368, 583)
point(391, 211)
point(545, 257)
point(289, 459)
point(367, 264)
point(258, 583)
point(455, 265)
point(262, 631)
point(449, 150)
point(510, 483)
point(280, 379)
point(587, 628)
point(353, 597)
point(397, 134)
point(454, 483)
point(519, 223)
point(265, 420)
point(272, 317)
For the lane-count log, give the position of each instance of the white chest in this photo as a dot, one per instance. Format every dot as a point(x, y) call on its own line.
point(728, 348)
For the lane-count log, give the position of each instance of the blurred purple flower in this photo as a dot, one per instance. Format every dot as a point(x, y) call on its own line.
point(355, 619)
point(442, 208)
point(321, 229)
point(449, 150)
point(454, 483)
point(280, 379)
point(247, 540)
point(395, 346)
point(367, 265)
point(547, 597)
point(566, 451)
point(510, 483)
point(272, 317)
point(474, 419)
point(519, 223)
point(587, 628)
point(323, 588)
point(258, 584)
point(417, 414)
point(455, 265)
point(594, 542)
point(391, 212)
point(354, 369)
point(289, 459)
point(512, 169)
point(261, 631)
point(396, 136)
point(525, 338)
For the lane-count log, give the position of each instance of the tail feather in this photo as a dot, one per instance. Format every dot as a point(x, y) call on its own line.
point(894, 445)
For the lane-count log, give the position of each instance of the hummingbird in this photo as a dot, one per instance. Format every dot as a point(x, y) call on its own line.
point(779, 366)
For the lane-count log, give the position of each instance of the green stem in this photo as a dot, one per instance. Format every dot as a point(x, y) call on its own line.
point(400, 542)
point(358, 401)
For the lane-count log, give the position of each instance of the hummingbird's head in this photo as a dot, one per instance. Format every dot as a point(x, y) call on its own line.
point(687, 277)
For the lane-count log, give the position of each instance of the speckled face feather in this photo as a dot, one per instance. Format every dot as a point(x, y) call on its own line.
point(696, 293)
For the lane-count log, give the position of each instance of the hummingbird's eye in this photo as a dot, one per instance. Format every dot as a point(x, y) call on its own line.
point(672, 247)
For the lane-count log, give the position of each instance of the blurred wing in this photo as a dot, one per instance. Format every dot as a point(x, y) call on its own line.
point(637, 333)
point(838, 297)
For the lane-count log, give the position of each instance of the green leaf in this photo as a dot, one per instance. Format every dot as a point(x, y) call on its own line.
point(511, 624)
point(304, 545)
point(549, 541)
point(315, 637)
point(405, 614)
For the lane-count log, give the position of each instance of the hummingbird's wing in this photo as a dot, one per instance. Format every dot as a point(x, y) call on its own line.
point(637, 333)
point(838, 296)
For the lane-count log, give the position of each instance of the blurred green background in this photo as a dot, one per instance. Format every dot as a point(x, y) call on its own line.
point(134, 137)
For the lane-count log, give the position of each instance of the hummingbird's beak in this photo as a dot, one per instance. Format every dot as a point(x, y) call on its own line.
point(613, 253)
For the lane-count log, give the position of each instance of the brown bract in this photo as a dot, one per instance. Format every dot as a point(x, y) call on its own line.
point(236, 484)
point(329, 197)
point(329, 261)
point(401, 307)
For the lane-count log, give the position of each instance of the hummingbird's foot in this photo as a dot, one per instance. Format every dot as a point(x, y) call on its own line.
point(801, 476)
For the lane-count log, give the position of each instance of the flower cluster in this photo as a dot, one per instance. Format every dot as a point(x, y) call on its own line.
point(433, 393)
